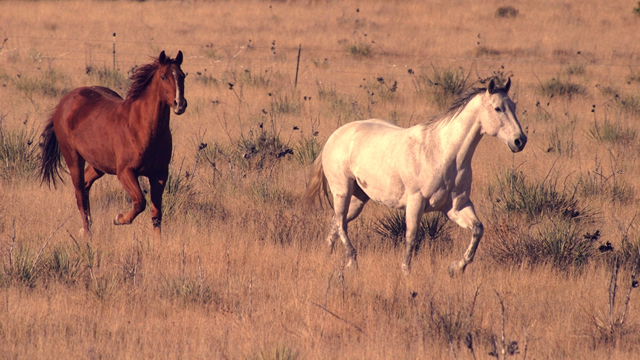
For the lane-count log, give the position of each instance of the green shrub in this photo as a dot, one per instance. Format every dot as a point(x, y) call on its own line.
point(613, 187)
point(634, 76)
point(558, 87)
point(630, 104)
point(441, 86)
point(206, 79)
point(283, 352)
point(259, 148)
point(576, 69)
point(19, 153)
point(613, 133)
point(48, 83)
point(306, 150)
point(564, 245)
point(285, 104)
point(64, 264)
point(107, 77)
point(560, 142)
point(179, 193)
point(557, 241)
point(506, 12)
point(512, 194)
point(433, 229)
point(360, 50)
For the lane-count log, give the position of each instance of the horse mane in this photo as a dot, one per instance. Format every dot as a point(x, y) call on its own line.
point(458, 105)
point(142, 76)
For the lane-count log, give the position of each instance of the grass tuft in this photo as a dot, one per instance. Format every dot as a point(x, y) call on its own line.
point(507, 12)
point(441, 86)
point(433, 230)
point(558, 87)
point(513, 194)
point(19, 153)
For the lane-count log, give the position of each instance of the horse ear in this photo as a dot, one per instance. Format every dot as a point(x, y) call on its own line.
point(162, 57)
point(178, 60)
point(507, 85)
point(492, 87)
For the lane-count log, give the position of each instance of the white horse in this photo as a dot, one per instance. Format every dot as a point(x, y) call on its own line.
point(423, 168)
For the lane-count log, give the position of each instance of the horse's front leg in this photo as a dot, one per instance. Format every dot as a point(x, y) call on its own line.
point(129, 179)
point(466, 218)
point(157, 183)
point(413, 214)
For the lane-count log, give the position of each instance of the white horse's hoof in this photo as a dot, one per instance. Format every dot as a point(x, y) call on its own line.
point(457, 268)
point(352, 264)
point(406, 270)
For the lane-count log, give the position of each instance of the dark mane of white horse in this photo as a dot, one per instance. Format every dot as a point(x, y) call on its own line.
point(458, 105)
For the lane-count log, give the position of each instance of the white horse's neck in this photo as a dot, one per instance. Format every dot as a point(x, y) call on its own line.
point(460, 136)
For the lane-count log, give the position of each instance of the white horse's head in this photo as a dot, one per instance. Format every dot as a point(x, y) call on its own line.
point(499, 118)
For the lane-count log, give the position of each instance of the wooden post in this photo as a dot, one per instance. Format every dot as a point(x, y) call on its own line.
point(297, 67)
point(114, 52)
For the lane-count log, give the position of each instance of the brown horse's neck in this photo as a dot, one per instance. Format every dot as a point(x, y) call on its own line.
point(151, 113)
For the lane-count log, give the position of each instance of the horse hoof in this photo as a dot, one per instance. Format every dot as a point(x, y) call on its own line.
point(116, 221)
point(457, 268)
point(406, 270)
point(352, 264)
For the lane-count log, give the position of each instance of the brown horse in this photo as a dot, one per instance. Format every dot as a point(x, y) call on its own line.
point(124, 137)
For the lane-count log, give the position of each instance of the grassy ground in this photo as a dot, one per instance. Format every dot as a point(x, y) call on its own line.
point(243, 270)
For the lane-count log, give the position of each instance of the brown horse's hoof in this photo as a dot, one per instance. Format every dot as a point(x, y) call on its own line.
point(117, 221)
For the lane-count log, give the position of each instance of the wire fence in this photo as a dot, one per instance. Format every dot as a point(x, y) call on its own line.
point(126, 54)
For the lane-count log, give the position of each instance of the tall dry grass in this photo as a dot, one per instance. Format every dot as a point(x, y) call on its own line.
point(243, 269)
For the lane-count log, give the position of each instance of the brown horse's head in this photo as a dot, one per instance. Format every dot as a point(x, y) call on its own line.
point(172, 82)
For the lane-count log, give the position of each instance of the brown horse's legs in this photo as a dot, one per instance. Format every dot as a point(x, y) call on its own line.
point(76, 165)
point(90, 176)
point(129, 180)
point(157, 184)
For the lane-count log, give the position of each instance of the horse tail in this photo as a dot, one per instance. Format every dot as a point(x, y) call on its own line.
point(51, 160)
point(317, 184)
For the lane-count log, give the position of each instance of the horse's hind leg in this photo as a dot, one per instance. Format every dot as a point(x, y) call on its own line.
point(358, 201)
point(90, 176)
point(76, 170)
point(157, 184)
point(341, 202)
point(129, 180)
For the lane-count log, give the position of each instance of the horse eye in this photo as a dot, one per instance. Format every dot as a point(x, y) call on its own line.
point(162, 77)
point(498, 109)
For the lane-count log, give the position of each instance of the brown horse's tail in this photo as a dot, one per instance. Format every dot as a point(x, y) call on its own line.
point(51, 160)
point(317, 184)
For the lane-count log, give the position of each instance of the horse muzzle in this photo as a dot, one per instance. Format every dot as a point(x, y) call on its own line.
point(518, 144)
point(180, 108)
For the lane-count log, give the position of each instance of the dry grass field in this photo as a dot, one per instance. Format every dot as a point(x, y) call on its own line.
point(243, 270)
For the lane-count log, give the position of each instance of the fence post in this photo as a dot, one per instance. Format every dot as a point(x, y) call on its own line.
point(114, 52)
point(295, 85)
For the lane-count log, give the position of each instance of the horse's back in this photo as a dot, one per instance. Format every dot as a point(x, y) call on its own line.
point(358, 136)
point(370, 153)
point(82, 100)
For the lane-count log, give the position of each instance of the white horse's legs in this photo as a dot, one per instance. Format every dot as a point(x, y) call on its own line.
point(466, 218)
point(339, 225)
point(343, 217)
point(413, 215)
point(357, 203)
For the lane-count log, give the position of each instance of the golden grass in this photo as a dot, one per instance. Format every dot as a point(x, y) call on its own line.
point(243, 270)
